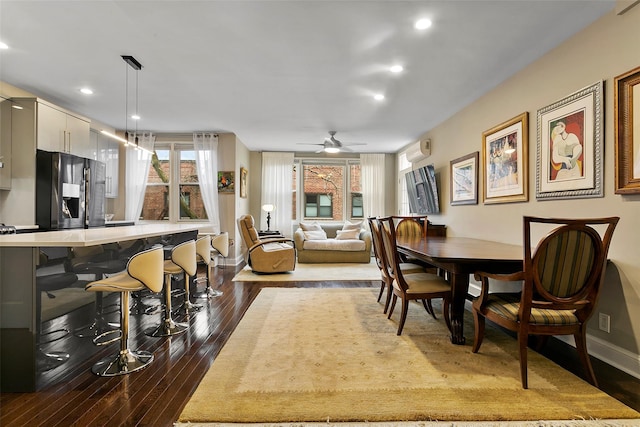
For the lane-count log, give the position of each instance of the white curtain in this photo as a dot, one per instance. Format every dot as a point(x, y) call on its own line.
point(373, 184)
point(206, 148)
point(277, 190)
point(137, 172)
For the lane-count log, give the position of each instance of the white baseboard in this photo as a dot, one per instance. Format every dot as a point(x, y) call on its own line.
point(611, 354)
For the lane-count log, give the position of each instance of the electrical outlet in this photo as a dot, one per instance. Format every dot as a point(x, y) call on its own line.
point(604, 322)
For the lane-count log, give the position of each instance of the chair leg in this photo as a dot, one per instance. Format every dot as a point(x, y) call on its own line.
point(393, 305)
point(167, 326)
point(389, 295)
point(125, 361)
point(427, 306)
point(581, 346)
point(523, 345)
point(382, 287)
point(403, 316)
point(478, 321)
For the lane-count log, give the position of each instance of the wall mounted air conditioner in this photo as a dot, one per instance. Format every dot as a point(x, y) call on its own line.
point(419, 151)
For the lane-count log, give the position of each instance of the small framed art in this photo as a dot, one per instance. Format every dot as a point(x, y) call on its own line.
point(226, 182)
point(505, 153)
point(569, 159)
point(464, 179)
point(243, 183)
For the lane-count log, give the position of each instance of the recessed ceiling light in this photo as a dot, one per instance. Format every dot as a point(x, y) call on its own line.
point(396, 69)
point(378, 97)
point(86, 91)
point(3, 46)
point(423, 24)
point(135, 117)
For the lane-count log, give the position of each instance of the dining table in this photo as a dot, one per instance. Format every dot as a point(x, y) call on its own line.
point(460, 257)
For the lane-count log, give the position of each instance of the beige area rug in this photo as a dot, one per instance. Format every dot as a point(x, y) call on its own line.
point(331, 356)
point(315, 273)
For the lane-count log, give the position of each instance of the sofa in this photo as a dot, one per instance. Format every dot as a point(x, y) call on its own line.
point(333, 243)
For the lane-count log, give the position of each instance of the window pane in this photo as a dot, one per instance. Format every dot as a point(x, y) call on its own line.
point(156, 203)
point(188, 171)
point(159, 170)
point(191, 205)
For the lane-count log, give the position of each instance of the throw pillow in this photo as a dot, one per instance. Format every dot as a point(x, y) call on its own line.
point(314, 226)
point(315, 235)
point(347, 234)
point(352, 225)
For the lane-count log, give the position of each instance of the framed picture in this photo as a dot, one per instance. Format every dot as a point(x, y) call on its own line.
point(570, 145)
point(243, 183)
point(627, 120)
point(505, 154)
point(226, 182)
point(464, 179)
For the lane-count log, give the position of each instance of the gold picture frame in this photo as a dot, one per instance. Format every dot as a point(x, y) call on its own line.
point(626, 121)
point(243, 183)
point(505, 161)
point(463, 173)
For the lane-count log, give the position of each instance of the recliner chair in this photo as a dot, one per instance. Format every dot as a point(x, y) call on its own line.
point(272, 255)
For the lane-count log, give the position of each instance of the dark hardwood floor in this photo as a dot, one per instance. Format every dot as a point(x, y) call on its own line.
point(70, 395)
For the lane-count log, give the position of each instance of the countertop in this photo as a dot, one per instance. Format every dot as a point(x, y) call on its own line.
point(95, 236)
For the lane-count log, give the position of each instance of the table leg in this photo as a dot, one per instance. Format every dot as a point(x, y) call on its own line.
point(460, 288)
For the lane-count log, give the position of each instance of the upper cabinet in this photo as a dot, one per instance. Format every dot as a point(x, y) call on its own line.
point(107, 150)
point(60, 130)
point(5, 144)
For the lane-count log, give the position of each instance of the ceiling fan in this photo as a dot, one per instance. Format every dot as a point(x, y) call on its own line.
point(333, 145)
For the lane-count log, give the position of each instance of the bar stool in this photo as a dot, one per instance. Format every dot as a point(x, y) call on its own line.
point(203, 255)
point(220, 244)
point(143, 271)
point(183, 258)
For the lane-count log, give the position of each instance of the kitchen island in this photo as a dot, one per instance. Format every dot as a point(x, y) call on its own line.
point(20, 257)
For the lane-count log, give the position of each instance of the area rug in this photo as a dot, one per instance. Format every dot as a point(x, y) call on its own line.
point(315, 273)
point(331, 356)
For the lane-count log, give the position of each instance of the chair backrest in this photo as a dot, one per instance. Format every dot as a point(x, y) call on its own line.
point(220, 243)
point(146, 266)
point(378, 250)
point(203, 248)
point(411, 226)
point(388, 232)
point(184, 255)
point(568, 264)
point(249, 234)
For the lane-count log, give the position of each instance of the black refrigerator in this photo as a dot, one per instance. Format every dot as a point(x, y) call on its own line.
point(70, 191)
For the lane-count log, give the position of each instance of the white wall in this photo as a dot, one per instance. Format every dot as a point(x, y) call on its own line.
point(606, 49)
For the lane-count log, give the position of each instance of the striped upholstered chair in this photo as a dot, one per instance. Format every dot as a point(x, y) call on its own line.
point(560, 284)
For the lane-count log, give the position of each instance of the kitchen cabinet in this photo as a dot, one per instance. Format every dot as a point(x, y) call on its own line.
point(108, 152)
point(60, 130)
point(5, 144)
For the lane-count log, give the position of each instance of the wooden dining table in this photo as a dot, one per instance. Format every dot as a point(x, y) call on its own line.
point(460, 257)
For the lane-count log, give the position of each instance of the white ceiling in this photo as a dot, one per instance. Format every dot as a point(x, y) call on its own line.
point(280, 73)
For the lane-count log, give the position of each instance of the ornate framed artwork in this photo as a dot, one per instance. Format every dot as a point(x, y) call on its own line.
point(226, 182)
point(243, 183)
point(464, 179)
point(505, 154)
point(570, 146)
point(627, 131)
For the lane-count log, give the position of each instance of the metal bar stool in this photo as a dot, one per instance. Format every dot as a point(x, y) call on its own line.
point(183, 259)
point(143, 271)
point(203, 255)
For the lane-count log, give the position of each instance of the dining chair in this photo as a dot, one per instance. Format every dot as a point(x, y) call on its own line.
point(411, 286)
point(381, 262)
point(561, 280)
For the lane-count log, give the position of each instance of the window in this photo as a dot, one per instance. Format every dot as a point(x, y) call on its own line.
point(404, 166)
point(173, 190)
point(330, 189)
point(318, 206)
